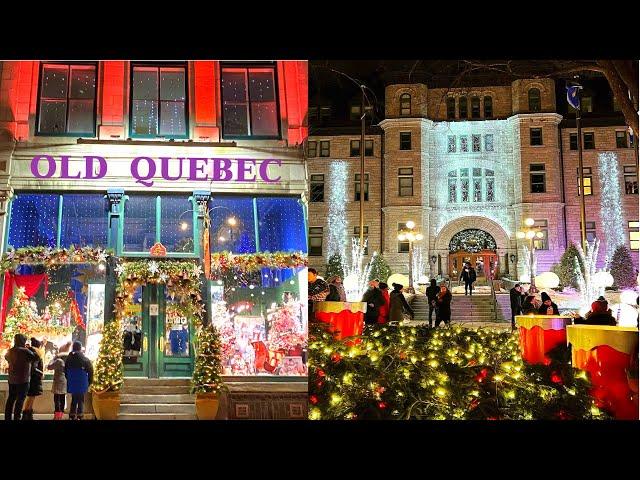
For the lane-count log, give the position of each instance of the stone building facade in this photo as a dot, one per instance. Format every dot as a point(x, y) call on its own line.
point(468, 165)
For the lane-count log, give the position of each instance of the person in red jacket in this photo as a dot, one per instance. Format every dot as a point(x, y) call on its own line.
point(383, 312)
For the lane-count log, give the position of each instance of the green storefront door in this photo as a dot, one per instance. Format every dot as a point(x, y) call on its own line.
point(158, 340)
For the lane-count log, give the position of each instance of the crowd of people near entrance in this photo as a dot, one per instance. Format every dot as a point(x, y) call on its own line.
point(72, 374)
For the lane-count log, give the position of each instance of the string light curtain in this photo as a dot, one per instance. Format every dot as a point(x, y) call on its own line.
point(84, 220)
point(238, 238)
point(139, 223)
point(281, 225)
point(34, 220)
point(176, 220)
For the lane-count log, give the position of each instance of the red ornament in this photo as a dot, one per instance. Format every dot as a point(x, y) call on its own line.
point(482, 375)
point(382, 405)
point(474, 404)
point(336, 357)
point(472, 362)
point(403, 356)
point(321, 373)
point(313, 399)
point(555, 378)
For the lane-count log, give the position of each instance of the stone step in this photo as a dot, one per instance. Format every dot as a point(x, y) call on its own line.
point(137, 382)
point(176, 408)
point(166, 399)
point(157, 416)
point(156, 389)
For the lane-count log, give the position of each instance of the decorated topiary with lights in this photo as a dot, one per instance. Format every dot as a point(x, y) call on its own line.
point(457, 373)
point(208, 365)
point(565, 269)
point(108, 369)
point(379, 269)
point(622, 269)
point(334, 267)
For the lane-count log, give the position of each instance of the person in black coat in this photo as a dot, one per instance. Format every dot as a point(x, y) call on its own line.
point(443, 302)
point(529, 305)
point(374, 300)
point(35, 381)
point(547, 307)
point(469, 276)
point(599, 315)
point(20, 359)
point(432, 293)
point(517, 297)
point(398, 304)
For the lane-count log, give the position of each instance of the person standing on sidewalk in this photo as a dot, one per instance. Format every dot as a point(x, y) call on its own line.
point(59, 385)
point(398, 304)
point(317, 290)
point(443, 302)
point(469, 276)
point(20, 359)
point(35, 382)
point(374, 299)
point(432, 295)
point(516, 297)
point(79, 373)
point(383, 312)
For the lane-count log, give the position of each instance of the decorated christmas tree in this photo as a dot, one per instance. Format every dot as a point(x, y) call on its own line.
point(108, 372)
point(622, 269)
point(208, 366)
point(334, 267)
point(21, 318)
point(379, 269)
point(566, 269)
point(283, 329)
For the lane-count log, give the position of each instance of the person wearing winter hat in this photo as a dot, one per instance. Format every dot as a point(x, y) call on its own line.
point(20, 360)
point(547, 307)
point(599, 315)
point(398, 304)
point(59, 384)
point(79, 373)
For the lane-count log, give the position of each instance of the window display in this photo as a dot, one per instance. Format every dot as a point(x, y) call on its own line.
point(176, 333)
point(262, 322)
point(57, 306)
point(132, 337)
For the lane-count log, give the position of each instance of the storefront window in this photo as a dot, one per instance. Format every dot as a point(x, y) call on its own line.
point(281, 225)
point(34, 220)
point(139, 223)
point(232, 224)
point(56, 307)
point(263, 326)
point(177, 224)
point(176, 331)
point(84, 220)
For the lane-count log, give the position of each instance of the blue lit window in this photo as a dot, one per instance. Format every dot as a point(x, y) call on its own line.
point(34, 220)
point(281, 225)
point(139, 223)
point(84, 220)
point(232, 224)
point(176, 222)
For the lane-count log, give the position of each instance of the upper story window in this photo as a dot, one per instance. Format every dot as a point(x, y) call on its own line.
point(159, 101)
point(312, 149)
point(315, 241)
point(451, 144)
point(537, 178)
point(325, 148)
point(462, 107)
point(589, 141)
point(631, 179)
point(535, 104)
point(488, 107)
point(488, 142)
point(405, 105)
point(67, 100)
point(541, 243)
point(325, 112)
point(475, 107)
point(464, 143)
point(317, 188)
point(355, 112)
point(475, 143)
point(621, 139)
point(451, 108)
point(249, 102)
point(634, 235)
point(354, 149)
point(588, 180)
point(481, 189)
point(357, 187)
point(405, 140)
point(313, 113)
point(405, 182)
point(573, 141)
point(535, 136)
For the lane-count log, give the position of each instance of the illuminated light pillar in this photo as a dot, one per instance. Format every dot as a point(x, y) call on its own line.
point(610, 203)
point(336, 218)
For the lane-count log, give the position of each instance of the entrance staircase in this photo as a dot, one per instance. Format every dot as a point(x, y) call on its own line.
point(157, 399)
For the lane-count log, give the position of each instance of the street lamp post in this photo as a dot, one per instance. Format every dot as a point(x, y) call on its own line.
point(411, 235)
point(530, 233)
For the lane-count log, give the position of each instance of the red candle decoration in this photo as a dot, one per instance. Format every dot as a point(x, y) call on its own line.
point(607, 354)
point(539, 334)
point(345, 319)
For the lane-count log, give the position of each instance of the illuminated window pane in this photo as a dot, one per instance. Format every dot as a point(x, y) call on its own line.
point(477, 190)
point(84, 220)
point(464, 143)
point(34, 220)
point(232, 224)
point(176, 217)
point(281, 225)
point(139, 223)
point(144, 118)
point(475, 139)
point(488, 142)
point(490, 190)
point(451, 145)
point(464, 188)
point(453, 195)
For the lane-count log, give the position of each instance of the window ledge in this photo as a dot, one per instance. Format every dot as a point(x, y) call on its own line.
point(181, 143)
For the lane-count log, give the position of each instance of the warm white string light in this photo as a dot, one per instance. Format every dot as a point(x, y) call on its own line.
point(610, 203)
point(337, 216)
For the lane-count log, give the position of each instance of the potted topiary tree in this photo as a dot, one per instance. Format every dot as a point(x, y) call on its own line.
point(207, 382)
point(108, 374)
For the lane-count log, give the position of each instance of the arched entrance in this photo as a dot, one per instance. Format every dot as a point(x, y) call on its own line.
point(476, 247)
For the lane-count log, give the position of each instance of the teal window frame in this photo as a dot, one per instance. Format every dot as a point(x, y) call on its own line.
point(158, 233)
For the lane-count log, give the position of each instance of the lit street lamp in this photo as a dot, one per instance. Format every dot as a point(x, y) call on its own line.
point(530, 233)
point(411, 235)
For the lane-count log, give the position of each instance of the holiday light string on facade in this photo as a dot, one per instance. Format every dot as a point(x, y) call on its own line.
point(337, 216)
point(610, 204)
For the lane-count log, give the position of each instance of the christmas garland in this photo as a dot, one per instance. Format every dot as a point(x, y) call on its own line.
point(472, 240)
point(222, 262)
point(52, 257)
point(457, 373)
point(182, 276)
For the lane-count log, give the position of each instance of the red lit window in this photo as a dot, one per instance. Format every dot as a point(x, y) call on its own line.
point(249, 102)
point(67, 100)
point(158, 103)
